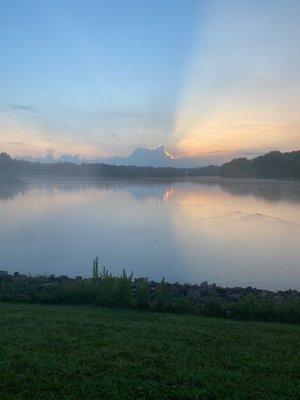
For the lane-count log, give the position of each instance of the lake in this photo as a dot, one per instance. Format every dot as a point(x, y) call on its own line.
point(231, 232)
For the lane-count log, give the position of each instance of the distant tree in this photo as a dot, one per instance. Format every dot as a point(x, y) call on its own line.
point(7, 168)
point(271, 165)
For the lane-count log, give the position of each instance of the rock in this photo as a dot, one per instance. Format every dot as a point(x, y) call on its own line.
point(194, 294)
point(140, 280)
point(231, 295)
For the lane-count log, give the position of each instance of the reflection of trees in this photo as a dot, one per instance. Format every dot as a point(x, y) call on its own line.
point(139, 189)
point(11, 190)
point(266, 189)
point(163, 189)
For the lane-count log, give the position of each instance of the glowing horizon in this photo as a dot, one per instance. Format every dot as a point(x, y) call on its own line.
point(230, 86)
point(239, 95)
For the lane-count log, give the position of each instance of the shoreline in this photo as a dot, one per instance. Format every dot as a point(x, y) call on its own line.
point(204, 287)
point(123, 291)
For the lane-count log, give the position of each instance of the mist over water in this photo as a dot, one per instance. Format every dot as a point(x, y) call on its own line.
point(230, 232)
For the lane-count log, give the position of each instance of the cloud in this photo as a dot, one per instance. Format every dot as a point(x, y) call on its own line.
point(22, 107)
point(50, 150)
point(216, 152)
point(242, 85)
point(254, 153)
point(15, 143)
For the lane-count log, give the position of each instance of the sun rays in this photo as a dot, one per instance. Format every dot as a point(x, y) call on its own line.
point(241, 86)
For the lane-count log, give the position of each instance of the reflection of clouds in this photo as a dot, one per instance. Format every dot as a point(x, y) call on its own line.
point(187, 230)
point(195, 190)
point(169, 193)
point(269, 190)
point(152, 192)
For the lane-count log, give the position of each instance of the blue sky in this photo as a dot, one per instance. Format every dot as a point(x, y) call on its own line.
point(104, 77)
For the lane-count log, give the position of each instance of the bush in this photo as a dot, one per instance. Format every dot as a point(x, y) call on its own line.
point(213, 306)
point(162, 297)
point(142, 294)
point(105, 290)
point(251, 307)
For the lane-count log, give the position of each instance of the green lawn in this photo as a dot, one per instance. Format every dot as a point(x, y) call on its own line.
point(65, 352)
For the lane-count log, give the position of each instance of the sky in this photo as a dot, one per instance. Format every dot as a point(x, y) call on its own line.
point(100, 78)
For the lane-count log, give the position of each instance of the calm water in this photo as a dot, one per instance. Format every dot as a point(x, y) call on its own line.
point(226, 231)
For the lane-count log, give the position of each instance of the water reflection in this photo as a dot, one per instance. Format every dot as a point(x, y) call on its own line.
point(9, 191)
point(163, 189)
point(229, 232)
point(270, 190)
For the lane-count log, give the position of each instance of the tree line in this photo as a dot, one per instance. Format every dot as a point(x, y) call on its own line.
point(271, 165)
point(11, 168)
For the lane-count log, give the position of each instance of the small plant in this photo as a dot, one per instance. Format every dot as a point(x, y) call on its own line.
point(120, 291)
point(213, 306)
point(163, 297)
point(124, 292)
point(95, 268)
point(104, 273)
point(142, 294)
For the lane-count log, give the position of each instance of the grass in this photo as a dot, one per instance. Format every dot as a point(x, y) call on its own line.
point(82, 352)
